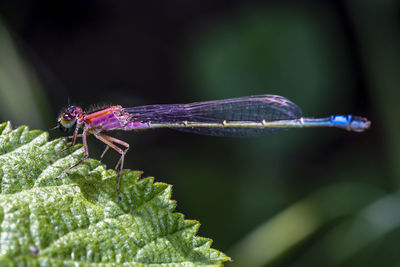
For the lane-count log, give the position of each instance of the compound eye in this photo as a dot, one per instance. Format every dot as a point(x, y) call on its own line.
point(67, 120)
point(67, 117)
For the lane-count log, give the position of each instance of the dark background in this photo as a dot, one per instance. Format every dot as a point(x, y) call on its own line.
point(307, 197)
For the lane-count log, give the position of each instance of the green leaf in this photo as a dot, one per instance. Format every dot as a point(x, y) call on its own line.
point(51, 218)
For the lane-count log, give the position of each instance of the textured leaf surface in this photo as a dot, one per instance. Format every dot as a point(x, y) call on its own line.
point(75, 219)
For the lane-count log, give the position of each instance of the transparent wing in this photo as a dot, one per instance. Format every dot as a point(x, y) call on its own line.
point(243, 109)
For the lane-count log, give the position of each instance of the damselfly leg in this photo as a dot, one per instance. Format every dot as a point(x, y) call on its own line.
point(74, 137)
point(85, 148)
point(109, 141)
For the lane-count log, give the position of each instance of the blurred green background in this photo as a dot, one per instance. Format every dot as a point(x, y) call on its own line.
point(312, 197)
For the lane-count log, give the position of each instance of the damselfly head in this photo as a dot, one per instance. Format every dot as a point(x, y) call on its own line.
point(68, 118)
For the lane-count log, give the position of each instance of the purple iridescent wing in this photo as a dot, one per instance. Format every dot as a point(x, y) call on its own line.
point(250, 108)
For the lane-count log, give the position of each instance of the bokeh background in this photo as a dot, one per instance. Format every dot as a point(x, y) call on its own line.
point(311, 197)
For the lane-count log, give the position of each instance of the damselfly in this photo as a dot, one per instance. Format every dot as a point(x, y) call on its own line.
point(237, 117)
